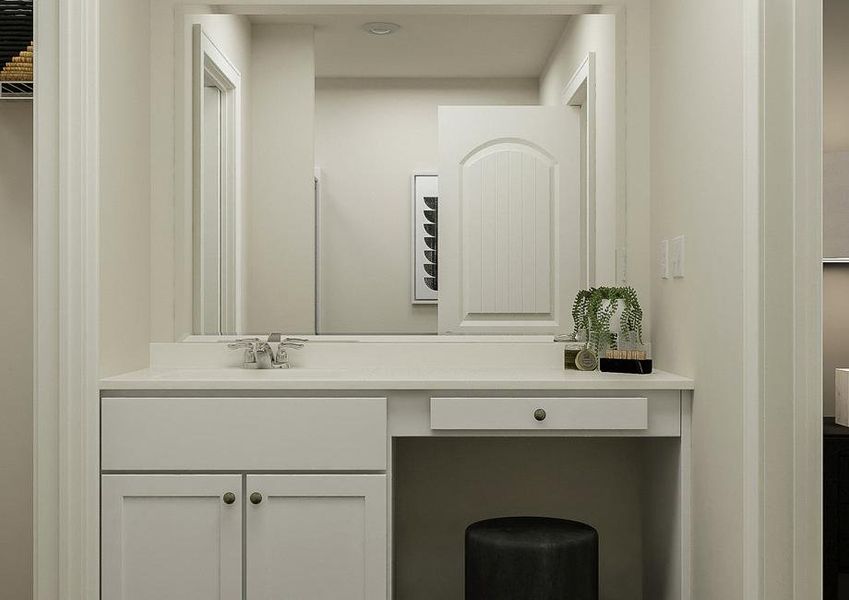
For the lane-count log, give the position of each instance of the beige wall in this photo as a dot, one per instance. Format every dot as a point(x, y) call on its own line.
point(697, 191)
point(15, 366)
point(835, 75)
point(835, 139)
point(584, 34)
point(281, 224)
point(125, 235)
point(371, 136)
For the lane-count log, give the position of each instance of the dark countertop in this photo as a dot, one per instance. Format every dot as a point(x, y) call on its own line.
point(832, 429)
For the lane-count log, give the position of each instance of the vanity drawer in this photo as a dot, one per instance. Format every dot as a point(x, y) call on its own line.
point(539, 413)
point(243, 434)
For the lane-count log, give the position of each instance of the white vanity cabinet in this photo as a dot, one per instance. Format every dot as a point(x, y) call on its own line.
point(361, 488)
point(171, 537)
point(316, 532)
point(316, 537)
point(179, 537)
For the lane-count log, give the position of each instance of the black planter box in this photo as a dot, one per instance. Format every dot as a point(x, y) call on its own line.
point(625, 365)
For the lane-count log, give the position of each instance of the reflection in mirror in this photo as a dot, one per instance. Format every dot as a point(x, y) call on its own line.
point(216, 297)
point(429, 180)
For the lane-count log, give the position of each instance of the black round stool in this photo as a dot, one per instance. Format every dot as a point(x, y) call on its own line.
point(531, 558)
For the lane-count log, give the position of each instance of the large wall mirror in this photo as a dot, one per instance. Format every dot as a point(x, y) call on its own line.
point(360, 174)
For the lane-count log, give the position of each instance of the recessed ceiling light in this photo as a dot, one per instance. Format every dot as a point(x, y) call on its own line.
point(379, 28)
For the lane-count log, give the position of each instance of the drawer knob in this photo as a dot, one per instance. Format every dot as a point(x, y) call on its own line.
point(229, 498)
point(539, 414)
point(256, 498)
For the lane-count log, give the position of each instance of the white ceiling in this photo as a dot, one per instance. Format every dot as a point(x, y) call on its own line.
point(433, 45)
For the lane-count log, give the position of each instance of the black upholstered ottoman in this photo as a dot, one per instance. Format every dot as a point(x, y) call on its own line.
point(531, 558)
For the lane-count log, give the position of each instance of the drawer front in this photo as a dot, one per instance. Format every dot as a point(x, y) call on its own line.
point(539, 413)
point(243, 434)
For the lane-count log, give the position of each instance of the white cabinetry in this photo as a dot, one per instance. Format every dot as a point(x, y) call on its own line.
point(327, 474)
point(309, 536)
point(316, 537)
point(171, 537)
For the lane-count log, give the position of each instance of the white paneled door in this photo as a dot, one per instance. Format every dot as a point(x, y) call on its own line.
point(510, 218)
point(171, 537)
point(316, 537)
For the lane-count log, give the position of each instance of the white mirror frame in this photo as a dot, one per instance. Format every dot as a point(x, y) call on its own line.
point(210, 64)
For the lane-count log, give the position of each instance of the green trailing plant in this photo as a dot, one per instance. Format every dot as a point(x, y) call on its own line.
point(594, 308)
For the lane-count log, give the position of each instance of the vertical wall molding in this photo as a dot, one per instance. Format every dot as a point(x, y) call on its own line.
point(790, 519)
point(66, 288)
point(808, 148)
point(753, 564)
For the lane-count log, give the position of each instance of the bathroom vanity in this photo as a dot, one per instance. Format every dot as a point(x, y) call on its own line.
point(298, 483)
point(422, 208)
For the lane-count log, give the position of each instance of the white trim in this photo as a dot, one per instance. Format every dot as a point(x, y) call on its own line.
point(752, 368)
point(45, 362)
point(581, 92)
point(319, 285)
point(807, 148)
point(791, 303)
point(209, 63)
point(66, 485)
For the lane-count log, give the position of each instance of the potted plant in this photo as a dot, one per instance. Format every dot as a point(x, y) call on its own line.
point(593, 311)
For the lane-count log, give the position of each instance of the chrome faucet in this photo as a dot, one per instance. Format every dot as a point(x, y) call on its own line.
point(259, 354)
point(281, 358)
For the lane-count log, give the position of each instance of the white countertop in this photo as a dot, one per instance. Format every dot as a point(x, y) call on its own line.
point(389, 378)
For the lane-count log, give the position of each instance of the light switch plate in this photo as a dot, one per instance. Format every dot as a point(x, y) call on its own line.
point(621, 266)
point(676, 257)
point(664, 259)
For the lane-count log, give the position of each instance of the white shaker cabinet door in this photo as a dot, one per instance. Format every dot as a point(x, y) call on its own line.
point(171, 537)
point(316, 537)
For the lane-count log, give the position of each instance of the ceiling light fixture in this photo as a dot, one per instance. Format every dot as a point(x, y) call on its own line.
point(380, 28)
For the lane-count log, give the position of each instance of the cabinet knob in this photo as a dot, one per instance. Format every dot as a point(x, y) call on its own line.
point(539, 414)
point(256, 498)
point(229, 498)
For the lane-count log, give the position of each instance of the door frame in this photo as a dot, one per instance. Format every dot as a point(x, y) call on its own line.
point(580, 92)
point(211, 65)
point(66, 207)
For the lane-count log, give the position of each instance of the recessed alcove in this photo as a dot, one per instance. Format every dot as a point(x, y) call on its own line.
point(624, 487)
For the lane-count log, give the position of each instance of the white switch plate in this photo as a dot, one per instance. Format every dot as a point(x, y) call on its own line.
point(621, 266)
point(664, 259)
point(676, 257)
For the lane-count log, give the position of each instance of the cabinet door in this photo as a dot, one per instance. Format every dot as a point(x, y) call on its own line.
point(316, 537)
point(512, 225)
point(171, 537)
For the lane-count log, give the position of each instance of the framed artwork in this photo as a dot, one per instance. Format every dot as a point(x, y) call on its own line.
point(425, 249)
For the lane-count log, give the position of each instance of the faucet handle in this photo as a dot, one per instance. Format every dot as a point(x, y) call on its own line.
point(247, 343)
point(293, 342)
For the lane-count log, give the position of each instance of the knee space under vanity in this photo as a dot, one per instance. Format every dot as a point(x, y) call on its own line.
point(626, 488)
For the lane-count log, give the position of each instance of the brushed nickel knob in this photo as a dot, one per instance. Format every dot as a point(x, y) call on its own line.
point(256, 498)
point(539, 414)
point(229, 498)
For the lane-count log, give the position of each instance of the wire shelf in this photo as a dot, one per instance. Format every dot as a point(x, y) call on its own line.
point(16, 90)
